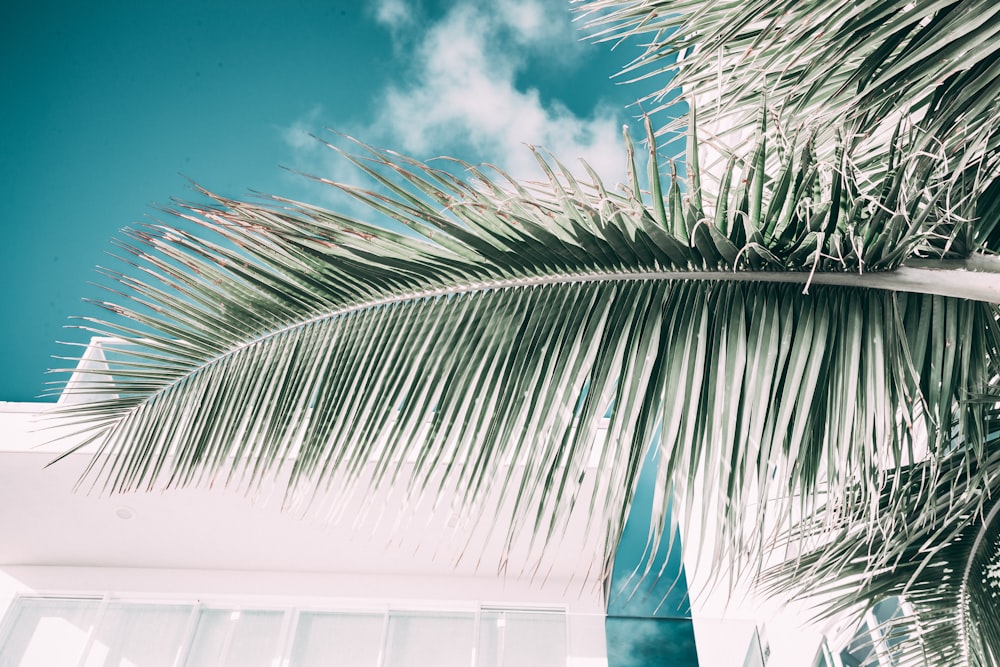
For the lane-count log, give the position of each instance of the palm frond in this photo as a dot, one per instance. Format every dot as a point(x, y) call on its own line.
point(870, 84)
point(937, 547)
point(859, 66)
point(491, 344)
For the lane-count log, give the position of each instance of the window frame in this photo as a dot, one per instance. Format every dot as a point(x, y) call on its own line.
point(291, 609)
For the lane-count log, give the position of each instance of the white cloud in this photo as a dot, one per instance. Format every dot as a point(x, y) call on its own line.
point(394, 14)
point(300, 135)
point(458, 94)
point(527, 18)
point(541, 24)
point(463, 93)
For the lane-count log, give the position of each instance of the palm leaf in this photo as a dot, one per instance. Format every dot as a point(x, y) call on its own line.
point(821, 61)
point(924, 73)
point(937, 547)
point(845, 72)
point(482, 354)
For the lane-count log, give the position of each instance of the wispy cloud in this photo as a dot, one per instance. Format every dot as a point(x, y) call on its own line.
point(464, 96)
point(394, 14)
point(456, 92)
point(300, 135)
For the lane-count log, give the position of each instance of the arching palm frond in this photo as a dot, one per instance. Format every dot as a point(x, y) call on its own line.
point(857, 65)
point(937, 547)
point(491, 344)
point(873, 82)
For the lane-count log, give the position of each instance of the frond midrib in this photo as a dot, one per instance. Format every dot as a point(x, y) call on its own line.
point(916, 279)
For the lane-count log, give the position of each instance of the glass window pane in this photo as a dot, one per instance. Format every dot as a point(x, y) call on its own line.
point(337, 640)
point(860, 651)
point(45, 632)
point(139, 635)
point(518, 638)
point(824, 658)
point(237, 638)
point(209, 640)
point(255, 640)
point(755, 653)
point(887, 609)
point(440, 639)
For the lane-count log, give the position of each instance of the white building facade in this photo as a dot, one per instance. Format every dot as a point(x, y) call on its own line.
point(208, 576)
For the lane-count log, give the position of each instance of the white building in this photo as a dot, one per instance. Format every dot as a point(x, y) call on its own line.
point(207, 577)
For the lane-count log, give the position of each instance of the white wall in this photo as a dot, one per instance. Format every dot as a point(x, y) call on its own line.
point(215, 544)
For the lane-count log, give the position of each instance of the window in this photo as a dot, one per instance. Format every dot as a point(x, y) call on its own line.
point(418, 639)
point(46, 632)
point(879, 634)
point(824, 656)
point(757, 653)
point(49, 632)
point(514, 638)
point(356, 639)
point(235, 638)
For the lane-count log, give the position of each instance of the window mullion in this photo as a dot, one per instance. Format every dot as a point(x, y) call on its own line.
point(385, 639)
point(286, 637)
point(92, 634)
point(235, 616)
point(475, 639)
point(877, 635)
point(188, 641)
point(501, 637)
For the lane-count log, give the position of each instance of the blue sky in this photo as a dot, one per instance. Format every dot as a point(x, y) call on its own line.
point(109, 107)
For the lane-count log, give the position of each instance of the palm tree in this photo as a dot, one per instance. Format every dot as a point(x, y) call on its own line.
point(878, 88)
point(809, 328)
